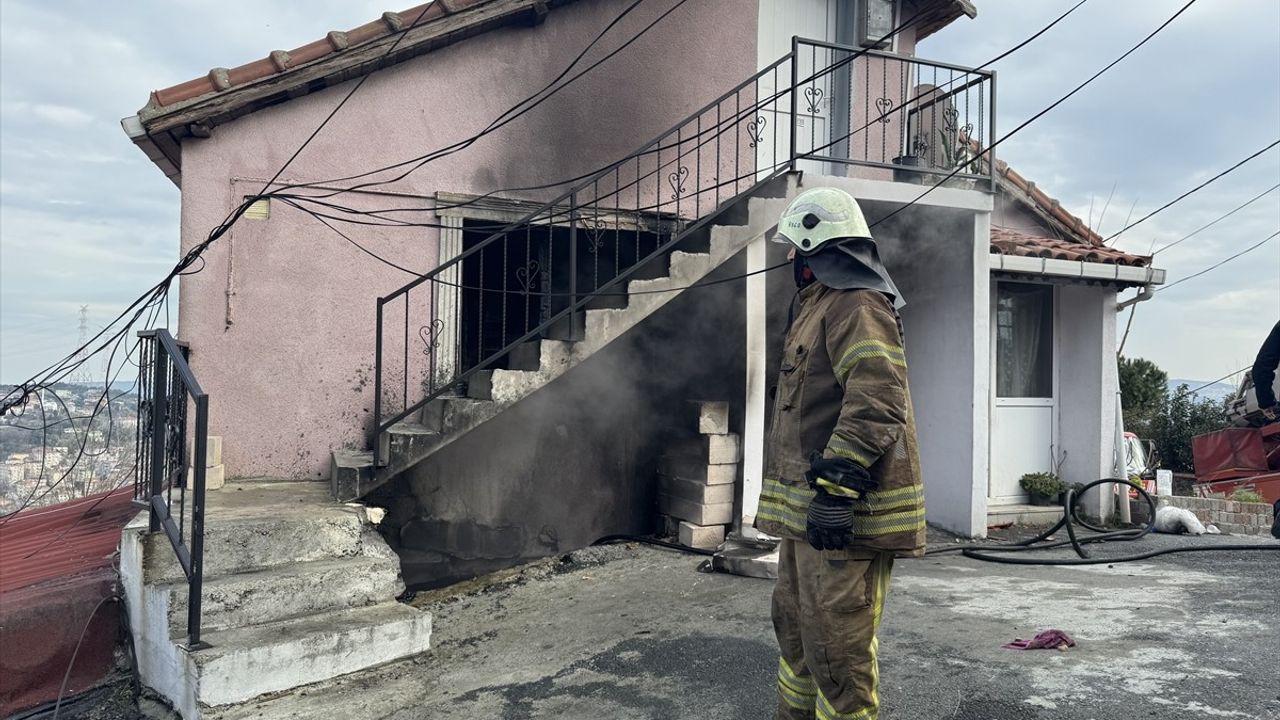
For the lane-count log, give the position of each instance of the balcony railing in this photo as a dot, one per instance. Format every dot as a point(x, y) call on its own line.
point(919, 119)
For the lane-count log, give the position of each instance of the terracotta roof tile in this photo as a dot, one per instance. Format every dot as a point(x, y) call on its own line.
point(281, 61)
point(1007, 241)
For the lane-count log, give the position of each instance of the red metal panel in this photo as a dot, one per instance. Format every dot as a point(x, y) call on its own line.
point(62, 540)
point(1228, 454)
point(55, 571)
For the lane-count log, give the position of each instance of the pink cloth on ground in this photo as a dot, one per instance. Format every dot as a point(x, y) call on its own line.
point(1048, 639)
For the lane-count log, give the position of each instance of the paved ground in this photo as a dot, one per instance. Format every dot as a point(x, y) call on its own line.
point(630, 633)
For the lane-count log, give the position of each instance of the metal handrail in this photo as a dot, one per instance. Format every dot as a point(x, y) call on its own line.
point(577, 207)
point(163, 458)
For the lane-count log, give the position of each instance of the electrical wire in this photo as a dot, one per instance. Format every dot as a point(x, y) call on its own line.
point(62, 691)
point(1251, 201)
point(1188, 193)
point(1215, 382)
point(987, 150)
point(504, 291)
point(1220, 263)
point(741, 114)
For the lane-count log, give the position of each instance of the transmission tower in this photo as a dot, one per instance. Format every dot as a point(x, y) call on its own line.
point(82, 374)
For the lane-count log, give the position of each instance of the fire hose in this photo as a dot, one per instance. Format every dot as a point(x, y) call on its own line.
point(1004, 553)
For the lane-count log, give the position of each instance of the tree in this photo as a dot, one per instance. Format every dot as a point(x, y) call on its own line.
point(1184, 416)
point(1143, 393)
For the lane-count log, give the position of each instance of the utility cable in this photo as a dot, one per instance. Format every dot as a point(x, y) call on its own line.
point(1188, 193)
point(1254, 199)
point(987, 150)
point(1220, 263)
point(583, 294)
point(1215, 382)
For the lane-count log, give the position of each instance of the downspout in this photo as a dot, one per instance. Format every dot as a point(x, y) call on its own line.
point(1144, 294)
point(1120, 466)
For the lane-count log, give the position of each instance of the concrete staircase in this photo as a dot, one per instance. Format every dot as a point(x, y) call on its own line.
point(534, 365)
point(297, 590)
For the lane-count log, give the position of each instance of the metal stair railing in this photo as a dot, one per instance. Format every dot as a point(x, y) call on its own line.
point(916, 119)
point(166, 386)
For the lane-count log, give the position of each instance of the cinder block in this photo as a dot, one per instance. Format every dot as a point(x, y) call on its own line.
point(700, 492)
point(212, 451)
point(724, 449)
point(692, 467)
point(695, 512)
point(713, 417)
point(701, 536)
point(214, 477)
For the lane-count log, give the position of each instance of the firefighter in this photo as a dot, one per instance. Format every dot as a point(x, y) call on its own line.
point(842, 484)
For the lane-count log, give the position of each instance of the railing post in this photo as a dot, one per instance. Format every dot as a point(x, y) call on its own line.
point(795, 95)
point(991, 155)
point(573, 267)
point(377, 389)
point(159, 424)
point(195, 581)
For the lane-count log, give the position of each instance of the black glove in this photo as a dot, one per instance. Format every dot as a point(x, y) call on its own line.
point(829, 522)
point(839, 476)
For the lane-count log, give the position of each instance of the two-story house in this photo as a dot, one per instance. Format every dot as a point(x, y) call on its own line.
point(482, 295)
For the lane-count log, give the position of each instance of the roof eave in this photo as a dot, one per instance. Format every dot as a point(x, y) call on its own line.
point(948, 12)
point(159, 129)
point(134, 128)
point(1078, 270)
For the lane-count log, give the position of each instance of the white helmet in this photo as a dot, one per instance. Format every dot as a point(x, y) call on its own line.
point(818, 216)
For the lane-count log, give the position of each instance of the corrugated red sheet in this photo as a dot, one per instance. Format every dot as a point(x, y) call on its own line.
point(56, 581)
point(62, 540)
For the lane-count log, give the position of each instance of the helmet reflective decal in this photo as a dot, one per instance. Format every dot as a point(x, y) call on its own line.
point(818, 216)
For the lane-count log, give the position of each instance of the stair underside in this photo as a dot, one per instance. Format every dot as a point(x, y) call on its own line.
point(447, 419)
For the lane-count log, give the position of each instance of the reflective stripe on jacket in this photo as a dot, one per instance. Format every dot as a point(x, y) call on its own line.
point(842, 390)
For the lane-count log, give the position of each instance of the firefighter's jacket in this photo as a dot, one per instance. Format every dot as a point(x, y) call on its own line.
point(843, 391)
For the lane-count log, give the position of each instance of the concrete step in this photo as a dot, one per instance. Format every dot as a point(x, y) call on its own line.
point(373, 693)
point(285, 592)
point(351, 474)
point(263, 536)
point(532, 365)
point(1030, 515)
point(244, 663)
point(504, 386)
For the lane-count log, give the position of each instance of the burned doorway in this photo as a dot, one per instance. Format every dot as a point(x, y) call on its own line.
point(519, 283)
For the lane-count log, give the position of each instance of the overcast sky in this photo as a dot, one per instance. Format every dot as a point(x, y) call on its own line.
point(85, 218)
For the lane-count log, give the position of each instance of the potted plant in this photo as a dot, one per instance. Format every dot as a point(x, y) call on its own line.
point(1043, 487)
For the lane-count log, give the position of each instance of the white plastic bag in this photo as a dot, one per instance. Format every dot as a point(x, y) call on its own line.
point(1177, 520)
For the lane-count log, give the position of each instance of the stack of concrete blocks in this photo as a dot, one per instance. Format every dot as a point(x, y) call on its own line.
point(215, 473)
point(698, 482)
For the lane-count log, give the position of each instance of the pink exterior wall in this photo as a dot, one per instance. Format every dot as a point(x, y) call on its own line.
point(281, 317)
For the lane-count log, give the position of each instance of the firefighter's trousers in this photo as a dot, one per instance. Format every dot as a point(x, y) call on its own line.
point(826, 613)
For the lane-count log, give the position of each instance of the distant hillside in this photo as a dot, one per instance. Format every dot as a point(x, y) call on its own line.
point(1216, 391)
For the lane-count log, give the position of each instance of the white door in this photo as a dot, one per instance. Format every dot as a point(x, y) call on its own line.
point(1024, 412)
point(810, 19)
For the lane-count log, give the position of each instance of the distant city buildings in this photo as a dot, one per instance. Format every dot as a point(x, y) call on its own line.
point(58, 449)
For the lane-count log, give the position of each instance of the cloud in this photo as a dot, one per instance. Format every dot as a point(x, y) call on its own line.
point(84, 217)
point(61, 115)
